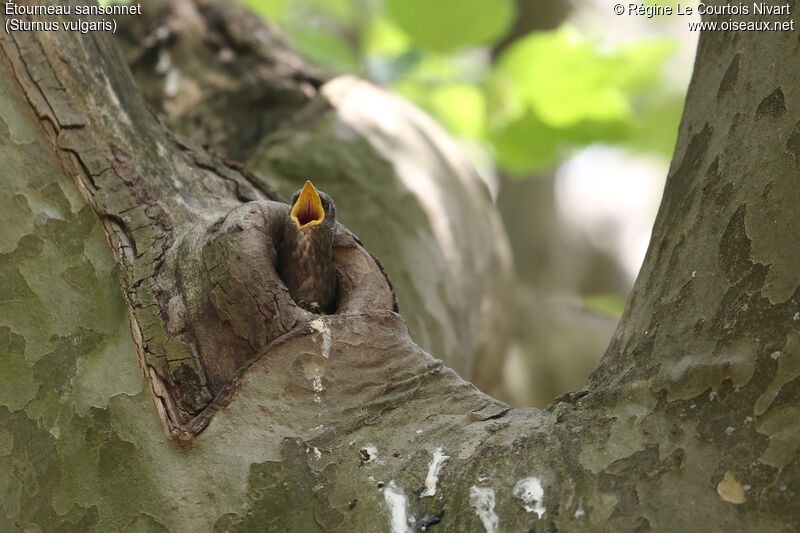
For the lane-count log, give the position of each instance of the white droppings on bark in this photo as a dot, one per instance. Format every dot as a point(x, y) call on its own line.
point(164, 61)
point(775, 355)
point(483, 500)
point(530, 491)
point(435, 466)
point(314, 370)
point(320, 326)
point(398, 508)
point(172, 82)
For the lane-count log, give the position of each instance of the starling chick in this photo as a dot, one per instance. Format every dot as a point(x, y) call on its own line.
point(305, 257)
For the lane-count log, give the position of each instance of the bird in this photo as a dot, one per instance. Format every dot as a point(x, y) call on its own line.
point(305, 255)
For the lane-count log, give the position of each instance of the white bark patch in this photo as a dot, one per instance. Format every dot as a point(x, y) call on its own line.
point(482, 500)
point(398, 508)
point(439, 459)
point(530, 491)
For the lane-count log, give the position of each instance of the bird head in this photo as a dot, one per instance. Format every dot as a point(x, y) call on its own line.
point(312, 209)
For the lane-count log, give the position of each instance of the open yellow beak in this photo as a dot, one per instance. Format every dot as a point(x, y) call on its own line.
point(307, 210)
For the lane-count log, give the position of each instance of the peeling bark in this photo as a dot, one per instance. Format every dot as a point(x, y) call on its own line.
point(341, 422)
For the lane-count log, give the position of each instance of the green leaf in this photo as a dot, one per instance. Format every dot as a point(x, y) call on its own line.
point(324, 47)
point(342, 10)
point(526, 144)
point(460, 107)
point(384, 38)
point(446, 25)
point(553, 90)
point(274, 10)
point(565, 80)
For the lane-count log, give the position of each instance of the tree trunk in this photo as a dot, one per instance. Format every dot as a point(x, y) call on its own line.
point(341, 422)
point(225, 79)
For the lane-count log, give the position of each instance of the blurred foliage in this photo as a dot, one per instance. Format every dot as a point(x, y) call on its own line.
point(527, 104)
point(468, 22)
point(608, 304)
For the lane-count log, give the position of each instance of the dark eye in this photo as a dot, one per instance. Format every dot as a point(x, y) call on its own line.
point(295, 196)
point(324, 203)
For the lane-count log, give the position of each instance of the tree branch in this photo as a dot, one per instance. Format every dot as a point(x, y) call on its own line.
point(342, 422)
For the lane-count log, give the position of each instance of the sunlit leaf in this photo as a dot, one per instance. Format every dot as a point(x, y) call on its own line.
point(565, 80)
point(546, 94)
point(460, 107)
point(388, 51)
point(446, 25)
point(554, 90)
point(384, 38)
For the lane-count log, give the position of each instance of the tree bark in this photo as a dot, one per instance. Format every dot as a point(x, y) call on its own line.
point(220, 76)
point(341, 422)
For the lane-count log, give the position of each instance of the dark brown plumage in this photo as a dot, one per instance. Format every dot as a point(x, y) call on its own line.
point(305, 257)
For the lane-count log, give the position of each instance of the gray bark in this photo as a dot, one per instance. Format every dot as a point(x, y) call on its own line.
point(227, 80)
point(689, 423)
